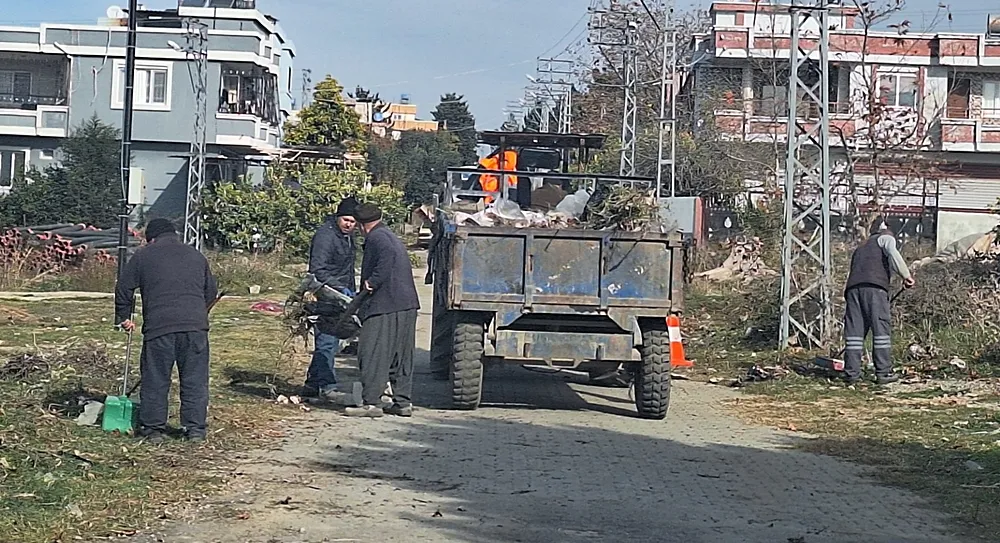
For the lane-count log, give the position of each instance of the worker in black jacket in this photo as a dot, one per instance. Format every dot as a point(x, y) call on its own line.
point(177, 289)
point(331, 260)
point(388, 318)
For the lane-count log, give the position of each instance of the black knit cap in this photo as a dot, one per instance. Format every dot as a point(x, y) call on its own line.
point(366, 213)
point(159, 227)
point(347, 206)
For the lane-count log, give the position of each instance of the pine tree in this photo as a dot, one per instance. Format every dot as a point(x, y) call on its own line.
point(85, 188)
point(454, 116)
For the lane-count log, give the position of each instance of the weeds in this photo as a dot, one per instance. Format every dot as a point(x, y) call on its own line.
point(237, 272)
point(63, 482)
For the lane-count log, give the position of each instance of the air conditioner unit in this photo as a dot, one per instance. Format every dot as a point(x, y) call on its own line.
point(136, 183)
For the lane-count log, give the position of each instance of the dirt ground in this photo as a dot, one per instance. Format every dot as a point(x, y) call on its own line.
point(548, 459)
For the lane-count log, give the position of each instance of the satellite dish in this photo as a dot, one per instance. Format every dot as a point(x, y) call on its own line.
point(115, 12)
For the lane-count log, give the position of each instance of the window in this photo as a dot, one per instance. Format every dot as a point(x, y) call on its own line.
point(991, 99)
point(15, 86)
point(47, 154)
point(773, 101)
point(12, 165)
point(958, 98)
point(152, 86)
point(898, 89)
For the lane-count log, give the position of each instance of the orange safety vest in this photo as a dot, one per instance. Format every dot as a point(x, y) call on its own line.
point(491, 183)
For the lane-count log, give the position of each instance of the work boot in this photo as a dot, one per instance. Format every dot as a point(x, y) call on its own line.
point(366, 411)
point(399, 411)
point(194, 439)
point(883, 380)
point(154, 438)
point(309, 392)
point(350, 399)
point(851, 381)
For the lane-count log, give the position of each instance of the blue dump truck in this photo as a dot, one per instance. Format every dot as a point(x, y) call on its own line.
point(564, 298)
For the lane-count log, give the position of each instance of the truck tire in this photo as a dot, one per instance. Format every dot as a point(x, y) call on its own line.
point(467, 363)
point(442, 337)
point(652, 376)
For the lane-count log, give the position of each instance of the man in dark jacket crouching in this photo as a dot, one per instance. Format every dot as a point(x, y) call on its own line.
point(389, 318)
point(177, 289)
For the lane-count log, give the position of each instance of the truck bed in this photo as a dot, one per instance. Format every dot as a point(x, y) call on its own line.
point(570, 271)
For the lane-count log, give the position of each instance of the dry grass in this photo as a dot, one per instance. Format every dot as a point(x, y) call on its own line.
point(61, 482)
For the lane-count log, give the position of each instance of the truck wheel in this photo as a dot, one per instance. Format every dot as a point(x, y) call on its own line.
point(442, 336)
point(652, 376)
point(467, 364)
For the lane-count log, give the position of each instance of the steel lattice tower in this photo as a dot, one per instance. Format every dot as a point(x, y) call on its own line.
point(196, 51)
point(806, 298)
point(555, 78)
point(630, 71)
point(666, 171)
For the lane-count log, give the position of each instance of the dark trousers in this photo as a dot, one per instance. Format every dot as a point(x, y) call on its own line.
point(190, 351)
point(867, 310)
point(385, 354)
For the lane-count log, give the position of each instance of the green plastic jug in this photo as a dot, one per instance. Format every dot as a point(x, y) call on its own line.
point(118, 414)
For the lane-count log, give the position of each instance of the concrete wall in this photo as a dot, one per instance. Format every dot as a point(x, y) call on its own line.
point(92, 95)
point(955, 225)
point(146, 39)
point(165, 172)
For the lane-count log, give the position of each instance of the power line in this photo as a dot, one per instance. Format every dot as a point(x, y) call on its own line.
point(566, 35)
point(456, 74)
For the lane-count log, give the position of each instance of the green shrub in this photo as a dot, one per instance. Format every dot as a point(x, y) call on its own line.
point(284, 212)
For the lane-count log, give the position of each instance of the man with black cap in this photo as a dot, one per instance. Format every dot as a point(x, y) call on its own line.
point(177, 289)
point(867, 297)
point(331, 260)
point(389, 318)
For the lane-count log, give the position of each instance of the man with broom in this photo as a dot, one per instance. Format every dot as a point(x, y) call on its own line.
point(177, 289)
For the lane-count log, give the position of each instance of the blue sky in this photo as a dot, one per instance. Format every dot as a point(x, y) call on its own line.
point(424, 48)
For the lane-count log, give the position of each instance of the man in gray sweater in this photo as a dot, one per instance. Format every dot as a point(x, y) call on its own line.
point(867, 297)
point(388, 318)
point(177, 289)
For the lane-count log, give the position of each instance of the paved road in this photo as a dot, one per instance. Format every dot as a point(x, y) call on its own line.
point(548, 460)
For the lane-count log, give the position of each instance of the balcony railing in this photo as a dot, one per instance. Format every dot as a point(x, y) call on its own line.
point(29, 101)
point(778, 109)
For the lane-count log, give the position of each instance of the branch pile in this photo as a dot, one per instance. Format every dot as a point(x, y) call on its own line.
point(621, 208)
point(744, 262)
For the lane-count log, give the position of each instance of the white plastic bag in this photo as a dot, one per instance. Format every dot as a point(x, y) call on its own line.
point(574, 204)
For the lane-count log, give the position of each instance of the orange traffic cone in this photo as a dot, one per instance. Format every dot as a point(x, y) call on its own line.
point(677, 358)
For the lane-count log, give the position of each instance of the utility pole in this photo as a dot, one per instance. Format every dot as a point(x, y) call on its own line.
point(615, 36)
point(555, 77)
point(806, 297)
point(126, 158)
point(629, 110)
point(666, 171)
point(196, 51)
point(306, 87)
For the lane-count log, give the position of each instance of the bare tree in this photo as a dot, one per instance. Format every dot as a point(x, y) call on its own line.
point(897, 122)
